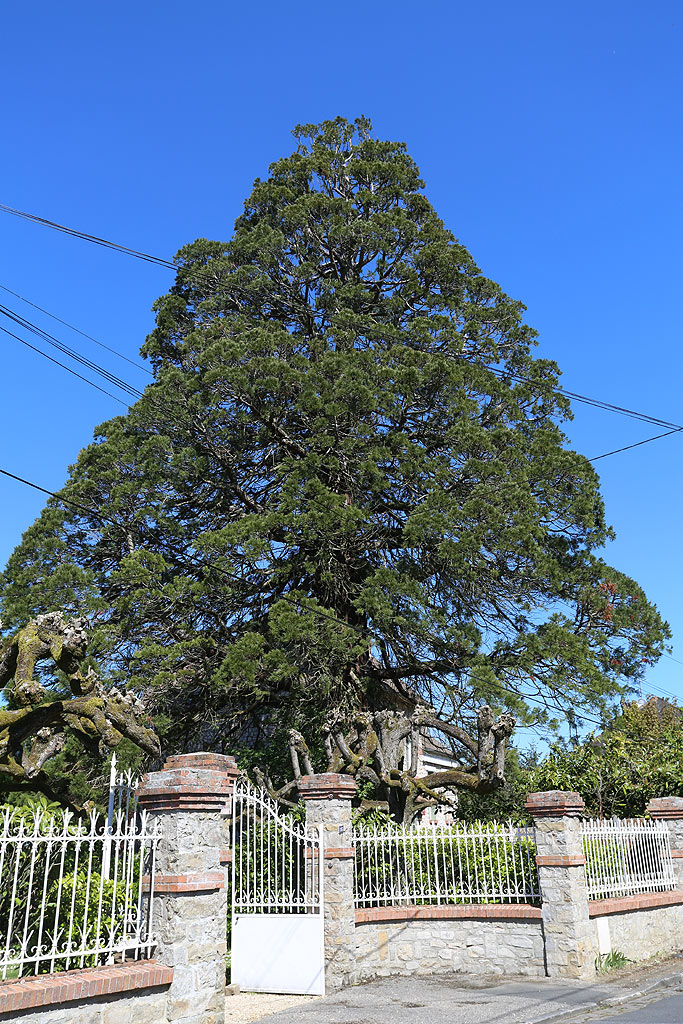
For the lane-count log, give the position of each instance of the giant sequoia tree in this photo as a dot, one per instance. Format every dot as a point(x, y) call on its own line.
point(347, 489)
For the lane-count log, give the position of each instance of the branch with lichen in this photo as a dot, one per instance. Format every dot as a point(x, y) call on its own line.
point(35, 725)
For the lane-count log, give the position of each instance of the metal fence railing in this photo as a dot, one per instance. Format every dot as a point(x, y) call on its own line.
point(480, 862)
point(626, 857)
point(123, 799)
point(61, 907)
point(276, 860)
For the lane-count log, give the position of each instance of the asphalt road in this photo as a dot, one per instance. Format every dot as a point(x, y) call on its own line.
point(655, 1008)
point(452, 1001)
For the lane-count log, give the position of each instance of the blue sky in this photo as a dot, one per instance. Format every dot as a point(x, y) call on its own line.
point(549, 137)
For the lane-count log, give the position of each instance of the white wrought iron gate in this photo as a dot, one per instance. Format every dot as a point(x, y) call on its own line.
point(277, 898)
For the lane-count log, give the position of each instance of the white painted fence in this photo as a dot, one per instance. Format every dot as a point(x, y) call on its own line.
point(58, 909)
point(276, 866)
point(481, 862)
point(123, 798)
point(626, 857)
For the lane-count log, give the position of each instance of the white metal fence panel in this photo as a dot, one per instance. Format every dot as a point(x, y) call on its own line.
point(276, 865)
point(58, 909)
point(481, 862)
point(626, 857)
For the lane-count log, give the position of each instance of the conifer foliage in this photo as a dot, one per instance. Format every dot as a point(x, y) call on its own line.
point(347, 488)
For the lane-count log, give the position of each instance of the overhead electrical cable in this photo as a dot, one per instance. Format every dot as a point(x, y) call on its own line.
point(71, 327)
point(197, 565)
point(63, 366)
point(67, 350)
point(616, 451)
point(597, 403)
point(88, 238)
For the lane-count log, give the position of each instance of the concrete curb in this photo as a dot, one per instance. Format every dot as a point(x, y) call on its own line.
point(665, 982)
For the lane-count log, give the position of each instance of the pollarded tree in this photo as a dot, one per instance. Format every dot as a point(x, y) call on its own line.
point(348, 485)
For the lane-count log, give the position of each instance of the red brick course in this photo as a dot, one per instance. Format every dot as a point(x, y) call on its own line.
point(645, 901)
point(340, 852)
point(329, 786)
point(565, 860)
point(213, 762)
point(207, 881)
point(473, 911)
point(190, 782)
point(225, 856)
point(665, 807)
point(554, 804)
point(71, 986)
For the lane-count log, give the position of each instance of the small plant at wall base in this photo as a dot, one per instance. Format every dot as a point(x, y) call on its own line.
point(611, 961)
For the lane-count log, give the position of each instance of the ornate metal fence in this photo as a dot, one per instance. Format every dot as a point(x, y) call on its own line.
point(483, 862)
point(59, 909)
point(276, 867)
point(626, 857)
point(123, 798)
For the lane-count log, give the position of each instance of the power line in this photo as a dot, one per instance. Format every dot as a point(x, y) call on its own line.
point(71, 327)
point(52, 494)
point(89, 238)
point(597, 403)
point(637, 444)
point(71, 352)
point(215, 568)
point(136, 393)
point(63, 366)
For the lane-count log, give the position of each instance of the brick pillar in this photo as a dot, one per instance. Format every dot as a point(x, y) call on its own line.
point(570, 935)
point(669, 809)
point(328, 803)
point(191, 799)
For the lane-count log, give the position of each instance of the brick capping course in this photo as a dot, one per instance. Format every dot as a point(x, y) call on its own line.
point(225, 856)
point(327, 786)
point(460, 911)
point(564, 860)
point(71, 986)
point(213, 762)
point(340, 852)
point(677, 854)
point(190, 782)
point(665, 807)
point(555, 804)
point(207, 881)
point(644, 901)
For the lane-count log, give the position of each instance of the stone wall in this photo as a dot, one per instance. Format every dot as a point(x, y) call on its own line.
point(328, 805)
point(133, 993)
point(446, 940)
point(639, 926)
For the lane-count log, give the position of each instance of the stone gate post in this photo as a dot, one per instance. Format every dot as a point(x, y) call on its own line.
point(669, 809)
point(570, 935)
point(191, 799)
point(328, 803)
